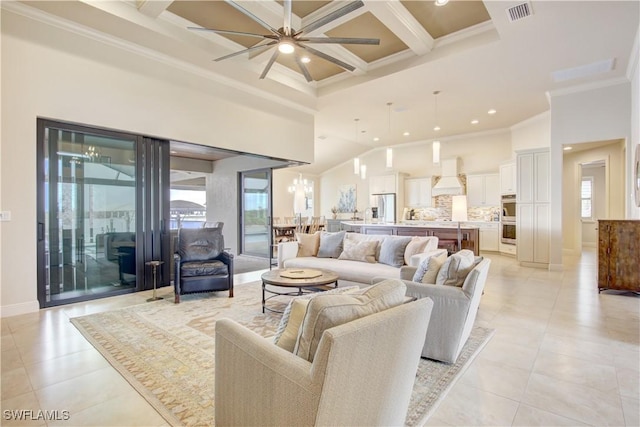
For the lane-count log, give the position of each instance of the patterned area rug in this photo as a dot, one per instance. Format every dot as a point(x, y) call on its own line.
point(166, 352)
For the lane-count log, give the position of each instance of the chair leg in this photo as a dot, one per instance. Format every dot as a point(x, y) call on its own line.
point(231, 293)
point(177, 299)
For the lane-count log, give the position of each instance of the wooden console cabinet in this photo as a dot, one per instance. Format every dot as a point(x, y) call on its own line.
point(619, 255)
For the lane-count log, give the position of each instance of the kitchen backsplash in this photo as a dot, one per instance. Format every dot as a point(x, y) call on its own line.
point(442, 211)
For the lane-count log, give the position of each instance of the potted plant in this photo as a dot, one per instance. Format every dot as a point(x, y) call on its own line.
point(334, 212)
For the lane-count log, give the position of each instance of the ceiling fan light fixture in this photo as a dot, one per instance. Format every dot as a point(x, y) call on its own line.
point(286, 47)
point(441, 2)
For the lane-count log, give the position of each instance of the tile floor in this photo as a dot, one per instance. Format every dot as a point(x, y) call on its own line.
point(562, 355)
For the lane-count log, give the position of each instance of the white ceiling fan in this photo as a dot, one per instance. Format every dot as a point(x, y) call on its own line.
point(289, 40)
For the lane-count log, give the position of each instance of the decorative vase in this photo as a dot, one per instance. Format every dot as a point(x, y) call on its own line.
point(334, 216)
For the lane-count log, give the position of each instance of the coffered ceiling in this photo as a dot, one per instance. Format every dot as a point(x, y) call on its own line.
point(471, 51)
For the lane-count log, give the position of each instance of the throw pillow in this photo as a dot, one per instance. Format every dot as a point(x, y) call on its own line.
point(455, 268)
point(359, 251)
point(326, 311)
point(392, 250)
point(308, 244)
point(427, 271)
point(291, 319)
point(416, 246)
point(330, 244)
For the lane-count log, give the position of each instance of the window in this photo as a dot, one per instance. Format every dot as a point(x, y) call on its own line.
point(586, 198)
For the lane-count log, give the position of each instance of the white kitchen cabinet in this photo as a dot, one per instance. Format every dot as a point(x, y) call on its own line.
point(508, 178)
point(483, 190)
point(533, 218)
point(489, 235)
point(418, 192)
point(382, 184)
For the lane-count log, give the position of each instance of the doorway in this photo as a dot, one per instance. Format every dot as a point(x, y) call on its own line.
point(101, 212)
point(255, 208)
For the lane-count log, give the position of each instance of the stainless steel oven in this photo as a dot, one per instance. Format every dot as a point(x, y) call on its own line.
point(508, 232)
point(508, 208)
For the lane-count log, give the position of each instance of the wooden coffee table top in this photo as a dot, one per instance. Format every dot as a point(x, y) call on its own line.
point(274, 277)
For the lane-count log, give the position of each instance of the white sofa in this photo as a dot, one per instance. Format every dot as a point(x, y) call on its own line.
point(358, 272)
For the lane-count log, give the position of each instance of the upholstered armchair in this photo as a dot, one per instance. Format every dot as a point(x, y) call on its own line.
point(454, 309)
point(201, 263)
point(362, 373)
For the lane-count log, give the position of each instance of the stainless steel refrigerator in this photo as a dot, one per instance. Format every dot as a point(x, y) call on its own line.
point(386, 204)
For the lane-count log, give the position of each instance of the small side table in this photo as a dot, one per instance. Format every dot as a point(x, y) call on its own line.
point(155, 265)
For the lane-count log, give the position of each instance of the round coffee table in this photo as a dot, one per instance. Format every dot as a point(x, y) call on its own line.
point(304, 279)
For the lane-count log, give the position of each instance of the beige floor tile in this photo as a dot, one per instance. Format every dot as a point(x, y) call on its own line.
point(467, 406)
point(22, 410)
point(128, 410)
point(79, 393)
point(10, 360)
point(629, 382)
point(574, 401)
point(577, 371)
point(529, 416)
point(497, 378)
point(46, 350)
point(7, 342)
point(631, 409)
point(43, 374)
point(15, 383)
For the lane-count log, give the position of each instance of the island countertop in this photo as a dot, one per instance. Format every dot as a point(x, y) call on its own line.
point(421, 224)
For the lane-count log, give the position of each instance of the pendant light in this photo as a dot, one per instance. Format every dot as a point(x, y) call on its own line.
point(435, 147)
point(435, 102)
point(389, 157)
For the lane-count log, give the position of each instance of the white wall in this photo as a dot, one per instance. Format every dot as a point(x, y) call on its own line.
point(283, 200)
point(532, 133)
point(633, 208)
point(599, 207)
point(588, 115)
point(53, 73)
point(478, 153)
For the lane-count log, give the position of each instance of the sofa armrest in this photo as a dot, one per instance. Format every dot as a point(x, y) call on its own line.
point(286, 250)
point(407, 272)
point(247, 367)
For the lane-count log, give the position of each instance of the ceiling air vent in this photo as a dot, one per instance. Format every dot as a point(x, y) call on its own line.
point(519, 11)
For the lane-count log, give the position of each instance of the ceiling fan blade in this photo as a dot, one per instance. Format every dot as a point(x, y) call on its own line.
point(328, 58)
point(287, 17)
point(302, 67)
point(339, 40)
point(252, 16)
point(270, 63)
point(234, 33)
point(332, 16)
point(252, 48)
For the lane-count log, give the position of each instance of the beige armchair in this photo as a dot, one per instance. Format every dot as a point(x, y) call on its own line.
point(454, 310)
point(362, 374)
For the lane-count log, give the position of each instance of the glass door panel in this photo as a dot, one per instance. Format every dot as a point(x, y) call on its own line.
point(87, 216)
point(256, 213)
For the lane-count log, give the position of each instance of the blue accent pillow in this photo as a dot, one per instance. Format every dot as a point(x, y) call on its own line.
point(331, 244)
point(392, 250)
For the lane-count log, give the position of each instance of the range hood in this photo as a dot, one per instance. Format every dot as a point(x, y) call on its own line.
point(449, 182)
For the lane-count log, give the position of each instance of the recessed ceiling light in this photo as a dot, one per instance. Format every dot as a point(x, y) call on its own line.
point(437, 128)
point(567, 148)
point(491, 111)
point(441, 2)
point(376, 139)
point(474, 122)
point(406, 134)
point(305, 59)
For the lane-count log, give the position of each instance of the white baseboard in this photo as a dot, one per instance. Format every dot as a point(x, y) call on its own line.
point(17, 309)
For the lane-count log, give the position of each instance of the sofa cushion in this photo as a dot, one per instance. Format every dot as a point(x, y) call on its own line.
point(203, 268)
point(326, 311)
point(331, 244)
point(392, 250)
point(427, 271)
point(308, 244)
point(417, 245)
point(287, 332)
point(352, 271)
point(358, 237)
point(455, 268)
point(359, 251)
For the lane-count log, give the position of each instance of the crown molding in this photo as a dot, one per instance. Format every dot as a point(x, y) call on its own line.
point(588, 87)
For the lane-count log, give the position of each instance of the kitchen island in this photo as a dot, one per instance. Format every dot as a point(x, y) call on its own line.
point(447, 234)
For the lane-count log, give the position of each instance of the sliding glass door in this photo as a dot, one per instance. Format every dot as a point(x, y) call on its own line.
point(100, 212)
point(256, 213)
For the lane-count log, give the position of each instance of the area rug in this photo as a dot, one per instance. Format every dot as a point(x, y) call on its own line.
point(166, 352)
